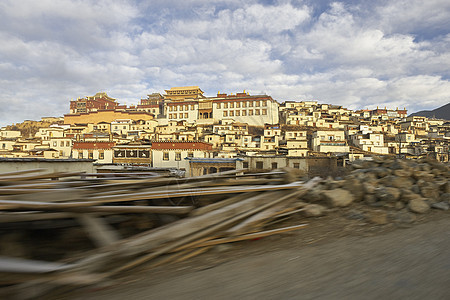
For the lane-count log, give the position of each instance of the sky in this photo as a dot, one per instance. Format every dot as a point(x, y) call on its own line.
point(358, 54)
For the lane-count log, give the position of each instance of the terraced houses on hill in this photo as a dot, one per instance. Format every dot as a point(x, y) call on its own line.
point(184, 129)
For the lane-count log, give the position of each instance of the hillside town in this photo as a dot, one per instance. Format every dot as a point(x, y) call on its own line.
point(186, 131)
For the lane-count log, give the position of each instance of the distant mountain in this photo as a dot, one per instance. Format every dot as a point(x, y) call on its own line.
point(442, 112)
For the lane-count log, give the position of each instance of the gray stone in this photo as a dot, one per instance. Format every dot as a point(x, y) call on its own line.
point(403, 217)
point(356, 215)
point(314, 210)
point(338, 197)
point(441, 205)
point(415, 189)
point(419, 205)
point(445, 198)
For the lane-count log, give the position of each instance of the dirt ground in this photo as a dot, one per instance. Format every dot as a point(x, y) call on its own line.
point(338, 256)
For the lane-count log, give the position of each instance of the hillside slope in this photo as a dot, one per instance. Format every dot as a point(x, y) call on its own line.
point(442, 112)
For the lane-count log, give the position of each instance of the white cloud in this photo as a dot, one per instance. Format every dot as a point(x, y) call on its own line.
point(353, 55)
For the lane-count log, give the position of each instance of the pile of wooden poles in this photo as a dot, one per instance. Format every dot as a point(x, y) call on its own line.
point(130, 219)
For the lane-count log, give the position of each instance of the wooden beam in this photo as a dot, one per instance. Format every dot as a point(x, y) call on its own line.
point(100, 232)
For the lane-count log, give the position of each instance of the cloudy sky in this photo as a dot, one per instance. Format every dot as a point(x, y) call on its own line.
point(359, 54)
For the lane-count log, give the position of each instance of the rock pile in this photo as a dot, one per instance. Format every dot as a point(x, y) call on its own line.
point(402, 187)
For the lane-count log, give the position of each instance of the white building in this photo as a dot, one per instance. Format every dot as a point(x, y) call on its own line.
point(172, 154)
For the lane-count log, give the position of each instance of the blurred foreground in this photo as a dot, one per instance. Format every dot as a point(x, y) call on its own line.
point(96, 231)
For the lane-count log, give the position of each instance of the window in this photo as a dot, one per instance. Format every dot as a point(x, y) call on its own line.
point(192, 107)
point(80, 155)
point(296, 165)
point(166, 156)
point(170, 108)
point(257, 112)
point(250, 112)
point(231, 113)
point(55, 143)
point(245, 164)
point(218, 105)
point(250, 104)
point(91, 155)
point(225, 114)
point(190, 154)
point(244, 104)
point(274, 165)
point(238, 104)
point(67, 143)
point(4, 146)
point(231, 105)
point(237, 113)
point(244, 112)
point(225, 105)
point(177, 155)
point(101, 155)
point(186, 107)
point(170, 116)
point(264, 111)
point(259, 165)
point(61, 143)
point(264, 103)
point(175, 108)
point(185, 115)
point(256, 103)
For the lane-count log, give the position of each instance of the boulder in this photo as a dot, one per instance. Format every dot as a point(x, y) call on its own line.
point(338, 197)
point(419, 205)
point(400, 182)
point(430, 191)
point(314, 210)
point(313, 195)
point(408, 195)
point(387, 194)
point(369, 187)
point(402, 172)
point(424, 175)
point(382, 172)
point(354, 186)
point(399, 205)
point(378, 217)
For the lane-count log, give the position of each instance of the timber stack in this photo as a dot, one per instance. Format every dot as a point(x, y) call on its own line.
point(77, 232)
point(76, 229)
